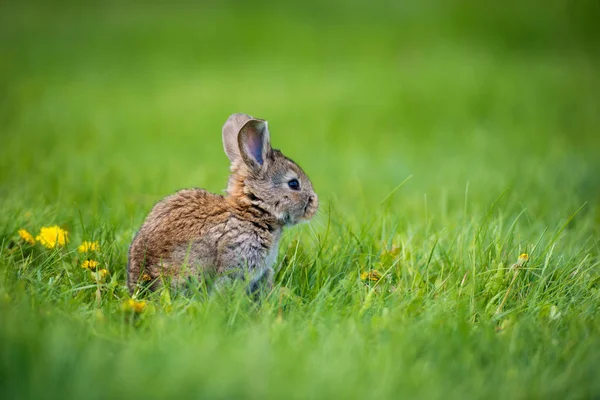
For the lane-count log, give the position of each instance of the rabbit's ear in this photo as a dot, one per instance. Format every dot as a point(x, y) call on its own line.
point(255, 144)
point(231, 131)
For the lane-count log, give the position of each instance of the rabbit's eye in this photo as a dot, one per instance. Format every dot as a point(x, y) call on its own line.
point(294, 184)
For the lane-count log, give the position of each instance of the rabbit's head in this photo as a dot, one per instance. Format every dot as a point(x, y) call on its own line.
point(263, 176)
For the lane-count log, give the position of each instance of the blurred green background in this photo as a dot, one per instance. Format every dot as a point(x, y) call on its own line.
point(128, 98)
point(107, 107)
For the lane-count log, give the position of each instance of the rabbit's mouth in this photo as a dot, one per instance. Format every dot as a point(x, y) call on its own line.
point(290, 220)
point(312, 204)
point(287, 219)
point(306, 214)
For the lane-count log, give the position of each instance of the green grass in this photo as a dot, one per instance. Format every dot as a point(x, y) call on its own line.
point(443, 141)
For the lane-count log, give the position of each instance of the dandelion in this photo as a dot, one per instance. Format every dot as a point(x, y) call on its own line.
point(373, 275)
point(89, 264)
point(88, 246)
point(523, 258)
point(100, 275)
point(134, 305)
point(52, 236)
point(26, 236)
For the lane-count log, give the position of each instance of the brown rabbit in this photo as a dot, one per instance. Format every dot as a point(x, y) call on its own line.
point(231, 237)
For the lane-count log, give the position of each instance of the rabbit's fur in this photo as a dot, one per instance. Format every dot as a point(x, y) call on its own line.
point(194, 232)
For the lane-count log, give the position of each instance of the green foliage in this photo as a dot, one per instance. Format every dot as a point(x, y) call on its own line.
point(444, 140)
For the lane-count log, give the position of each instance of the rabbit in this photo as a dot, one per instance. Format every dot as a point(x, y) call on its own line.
point(236, 236)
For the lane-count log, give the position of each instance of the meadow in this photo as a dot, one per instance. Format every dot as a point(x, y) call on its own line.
point(455, 149)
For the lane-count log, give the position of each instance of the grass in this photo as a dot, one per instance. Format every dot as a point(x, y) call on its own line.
point(443, 142)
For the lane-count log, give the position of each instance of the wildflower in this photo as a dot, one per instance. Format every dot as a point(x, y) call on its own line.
point(523, 258)
point(89, 264)
point(26, 236)
point(146, 277)
point(100, 275)
point(373, 275)
point(52, 236)
point(134, 305)
point(88, 246)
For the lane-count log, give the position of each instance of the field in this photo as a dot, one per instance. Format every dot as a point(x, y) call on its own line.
point(455, 148)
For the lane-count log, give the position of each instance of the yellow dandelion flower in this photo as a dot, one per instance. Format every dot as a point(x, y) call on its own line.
point(88, 246)
point(373, 275)
point(134, 305)
point(146, 278)
point(26, 236)
point(99, 275)
point(52, 236)
point(89, 264)
point(523, 258)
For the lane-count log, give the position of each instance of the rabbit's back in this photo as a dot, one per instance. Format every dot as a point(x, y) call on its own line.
point(174, 223)
point(193, 231)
